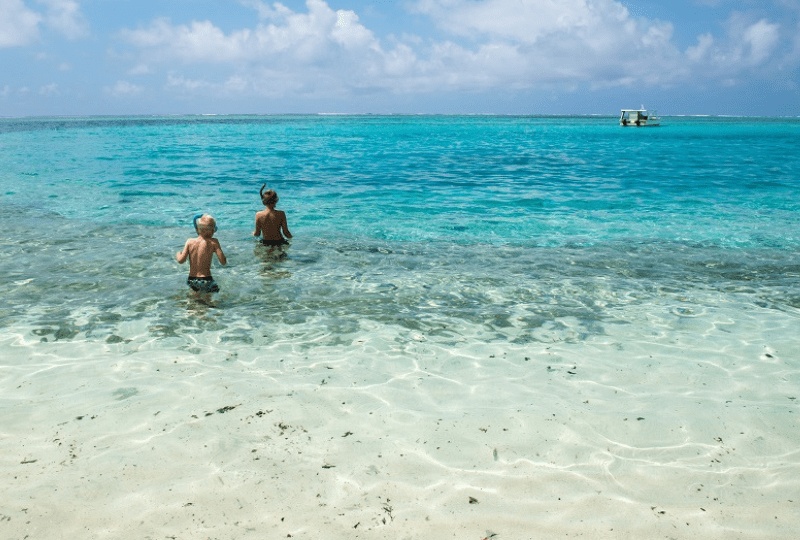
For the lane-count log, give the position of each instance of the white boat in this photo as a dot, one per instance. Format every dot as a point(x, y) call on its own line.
point(639, 117)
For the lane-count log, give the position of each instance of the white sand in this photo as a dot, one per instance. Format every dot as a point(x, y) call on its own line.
point(402, 439)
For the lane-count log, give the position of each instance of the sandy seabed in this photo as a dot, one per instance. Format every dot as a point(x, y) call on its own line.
point(413, 439)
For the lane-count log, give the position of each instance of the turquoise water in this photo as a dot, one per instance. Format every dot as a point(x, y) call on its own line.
point(483, 214)
point(641, 286)
point(498, 180)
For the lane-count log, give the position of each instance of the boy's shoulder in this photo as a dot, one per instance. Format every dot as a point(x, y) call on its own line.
point(199, 240)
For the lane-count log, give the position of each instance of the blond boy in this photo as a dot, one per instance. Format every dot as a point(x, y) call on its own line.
point(200, 251)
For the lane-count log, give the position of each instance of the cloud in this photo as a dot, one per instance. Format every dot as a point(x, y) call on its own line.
point(198, 42)
point(49, 90)
point(140, 69)
point(302, 52)
point(65, 17)
point(177, 81)
point(702, 50)
point(304, 38)
point(329, 49)
point(124, 88)
point(18, 24)
point(523, 21)
point(762, 38)
point(487, 44)
point(266, 11)
point(749, 45)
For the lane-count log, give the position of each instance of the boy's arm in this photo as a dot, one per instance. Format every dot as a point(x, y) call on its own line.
point(183, 255)
point(220, 254)
point(257, 232)
point(285, 225)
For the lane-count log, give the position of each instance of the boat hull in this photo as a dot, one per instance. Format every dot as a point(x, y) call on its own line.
point(640, 123)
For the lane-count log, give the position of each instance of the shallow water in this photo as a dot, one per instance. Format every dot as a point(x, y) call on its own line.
point(588, 329)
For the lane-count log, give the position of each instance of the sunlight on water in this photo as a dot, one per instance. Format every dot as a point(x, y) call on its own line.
point(581, 327)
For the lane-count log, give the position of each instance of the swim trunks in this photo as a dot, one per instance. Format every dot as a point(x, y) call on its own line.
point(202, 284)
point(281, 242)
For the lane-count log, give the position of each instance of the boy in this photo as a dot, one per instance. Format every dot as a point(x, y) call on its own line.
point(270, 222)
point(199, 251)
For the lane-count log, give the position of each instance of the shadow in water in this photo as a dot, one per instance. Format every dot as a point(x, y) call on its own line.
point(271, 258)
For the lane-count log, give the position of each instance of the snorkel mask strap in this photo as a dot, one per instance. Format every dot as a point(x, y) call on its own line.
point(198, 216)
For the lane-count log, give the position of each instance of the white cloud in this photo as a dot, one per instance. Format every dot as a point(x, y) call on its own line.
point(792, 56)
point(200, 41)
point(762, 37)
point(321, 46)
point(140, 69)
point(181, 82)
point(124, 88)
point(565, 42)
point(508, 44)
point(594, 26)
point(18, 24)
point(49, 90)
point(65, 17)
point(267, 11)
point(523, 21)
point(701, 51)
point(236, 84)
point(748, 45)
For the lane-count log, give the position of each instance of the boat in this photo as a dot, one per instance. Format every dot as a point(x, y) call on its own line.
point(639, 117)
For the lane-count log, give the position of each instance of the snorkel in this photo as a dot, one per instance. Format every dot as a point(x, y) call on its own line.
point(268, 199)
point(198, 216)
point(263, 196)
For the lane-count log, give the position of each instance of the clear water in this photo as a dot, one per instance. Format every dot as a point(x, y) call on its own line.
point(505, 269)
point(413, 221)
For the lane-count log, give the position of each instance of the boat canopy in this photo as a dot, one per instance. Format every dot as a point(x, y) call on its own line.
point(639, 117)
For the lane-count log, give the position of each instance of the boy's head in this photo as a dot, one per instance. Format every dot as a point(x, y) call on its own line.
point(269, 197)
point(205, 225)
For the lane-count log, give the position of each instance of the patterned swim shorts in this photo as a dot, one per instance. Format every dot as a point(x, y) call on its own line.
point(202, 284)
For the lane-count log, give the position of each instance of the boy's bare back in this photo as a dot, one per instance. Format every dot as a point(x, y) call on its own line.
point(270, 223)
point(201, 250)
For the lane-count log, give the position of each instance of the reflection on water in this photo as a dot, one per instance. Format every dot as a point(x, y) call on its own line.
point(482, 293)
point(271, 257)
point(485, 316)
point(123, 288)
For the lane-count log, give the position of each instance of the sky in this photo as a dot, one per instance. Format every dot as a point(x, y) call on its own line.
point(130, 57)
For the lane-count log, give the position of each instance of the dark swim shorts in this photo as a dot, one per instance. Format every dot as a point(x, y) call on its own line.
point(281, 242)
point(202, 284)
